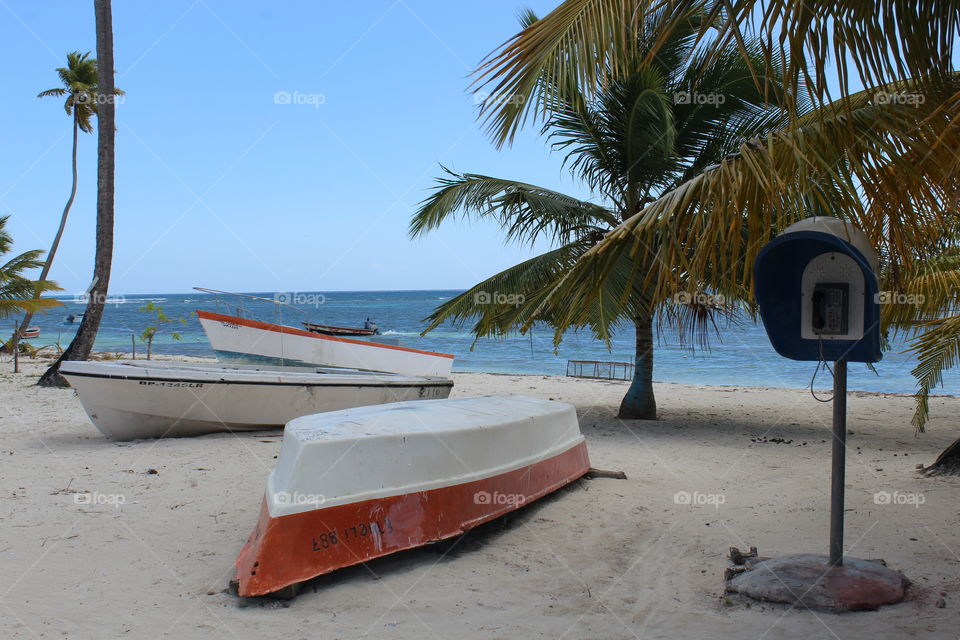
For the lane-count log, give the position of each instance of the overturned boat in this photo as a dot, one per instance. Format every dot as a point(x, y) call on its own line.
point(236, 339)
point(357, 484)
point(132, 399)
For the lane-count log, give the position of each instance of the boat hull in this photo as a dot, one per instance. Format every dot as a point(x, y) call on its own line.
point(156, 403)
point(292, 542)
point(235, 339)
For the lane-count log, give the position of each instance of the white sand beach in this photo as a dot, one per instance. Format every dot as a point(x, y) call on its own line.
point(151, 557)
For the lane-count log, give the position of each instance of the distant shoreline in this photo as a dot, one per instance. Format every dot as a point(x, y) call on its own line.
point(254, 292)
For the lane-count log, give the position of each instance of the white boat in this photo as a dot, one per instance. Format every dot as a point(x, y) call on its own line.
point(236, 339)
point(357, 484)
point(131, 399)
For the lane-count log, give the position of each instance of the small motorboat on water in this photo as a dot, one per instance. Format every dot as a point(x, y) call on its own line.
point(131, 399)
point(236, 339)
point(357, 484)
point(331, 330)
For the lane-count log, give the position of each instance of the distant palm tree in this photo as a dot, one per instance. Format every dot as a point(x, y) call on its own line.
point(17, 292)
point(646, 133)
point(79, 79)
point(82, 343)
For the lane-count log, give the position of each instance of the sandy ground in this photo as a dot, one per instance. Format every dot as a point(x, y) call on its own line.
point(602, 558)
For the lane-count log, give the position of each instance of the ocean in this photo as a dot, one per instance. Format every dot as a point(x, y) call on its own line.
point(740, 355)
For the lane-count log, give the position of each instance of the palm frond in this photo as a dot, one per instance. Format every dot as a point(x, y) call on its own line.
point(588, 42)
point(17, 292)
point(525, 212)
point(502, 302)
point(566, 44)
point(937, 349)
point(713, 224)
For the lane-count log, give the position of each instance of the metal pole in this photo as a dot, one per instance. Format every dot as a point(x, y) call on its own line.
point(839, 461)
point(16, 348)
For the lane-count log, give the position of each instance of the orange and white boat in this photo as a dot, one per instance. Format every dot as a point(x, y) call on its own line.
point(30, 332)
point(362, 483)
point(236, 339)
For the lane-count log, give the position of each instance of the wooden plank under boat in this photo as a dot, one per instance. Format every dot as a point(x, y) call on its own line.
point(236, 339)
point(331, 330)
point(128, 400)
point(362, 483)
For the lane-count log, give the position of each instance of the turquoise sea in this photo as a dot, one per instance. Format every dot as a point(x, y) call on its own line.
point(740, 355)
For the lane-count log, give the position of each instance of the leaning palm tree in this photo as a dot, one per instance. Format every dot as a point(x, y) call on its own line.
point(17, 291)
point(82, 343)
point(79, 79)
point(645, 133)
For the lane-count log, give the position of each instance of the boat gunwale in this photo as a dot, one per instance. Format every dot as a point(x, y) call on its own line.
point(380, 382)
point(280, 328)
point(416, 487)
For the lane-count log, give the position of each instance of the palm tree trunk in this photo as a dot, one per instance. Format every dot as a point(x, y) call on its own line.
point(947, 463)
point(56, 239)
point(640, 403)
point(82, 343)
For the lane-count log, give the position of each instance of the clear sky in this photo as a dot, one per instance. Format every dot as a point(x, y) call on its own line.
point(222, 184)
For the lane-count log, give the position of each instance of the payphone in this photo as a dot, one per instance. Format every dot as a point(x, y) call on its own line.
point(816, 287)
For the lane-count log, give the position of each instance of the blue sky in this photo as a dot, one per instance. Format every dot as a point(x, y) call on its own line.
point(220, 186)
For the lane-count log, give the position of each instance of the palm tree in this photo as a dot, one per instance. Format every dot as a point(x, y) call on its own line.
point(17, 292)
point(884, 155)
point(883, 158)
point(79, 79)
point(82, 343)
point(643, 134)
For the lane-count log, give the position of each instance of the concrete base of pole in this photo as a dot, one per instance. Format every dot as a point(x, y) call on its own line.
point(809, 581)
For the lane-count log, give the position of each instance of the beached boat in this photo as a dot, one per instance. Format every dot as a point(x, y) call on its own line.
point(331, 330)
point(30, 332)
point(236, 339)
point(127, 400)
point(354, 485)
